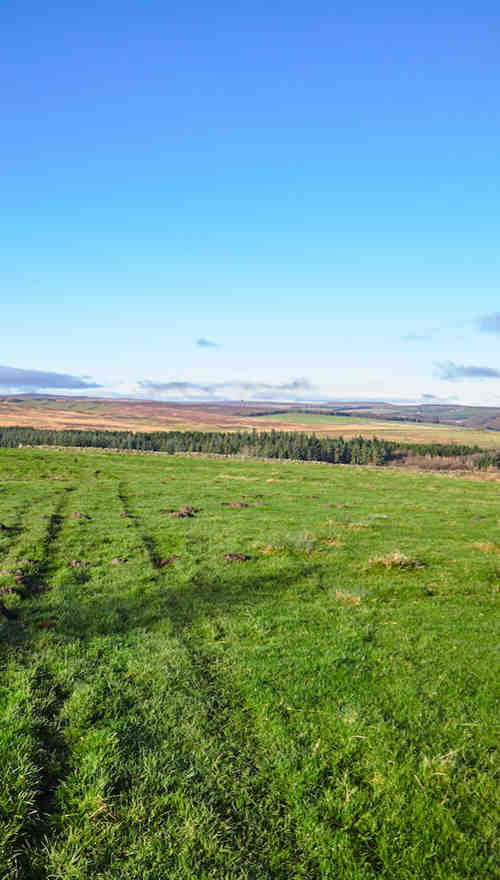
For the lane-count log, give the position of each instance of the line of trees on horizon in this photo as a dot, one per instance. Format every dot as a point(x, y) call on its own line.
point(268, 444)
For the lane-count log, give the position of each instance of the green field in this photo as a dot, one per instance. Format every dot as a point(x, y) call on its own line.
point(308, 713)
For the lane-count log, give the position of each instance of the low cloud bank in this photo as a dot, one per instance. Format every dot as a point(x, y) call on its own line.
point(297, 389)
point(15, 379)
point(452, 372)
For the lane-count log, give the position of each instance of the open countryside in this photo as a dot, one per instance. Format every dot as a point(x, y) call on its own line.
point(239, 669)
point(250, 441)
point(134, 415)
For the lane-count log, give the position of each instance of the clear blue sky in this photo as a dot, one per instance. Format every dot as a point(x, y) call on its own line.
point(314, 189)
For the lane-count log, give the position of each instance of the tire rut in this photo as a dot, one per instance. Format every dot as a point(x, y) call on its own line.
point(147, 540)
point(42, 569)
point(50, 754)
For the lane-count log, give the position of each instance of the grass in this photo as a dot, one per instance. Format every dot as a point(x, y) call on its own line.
point(302, 714)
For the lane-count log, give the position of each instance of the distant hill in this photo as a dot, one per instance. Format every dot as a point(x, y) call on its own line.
point(432, 413)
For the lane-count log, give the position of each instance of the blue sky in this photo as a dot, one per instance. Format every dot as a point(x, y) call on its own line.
point(314, 190)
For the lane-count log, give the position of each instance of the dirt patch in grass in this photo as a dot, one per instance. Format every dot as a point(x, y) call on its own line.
point(78, 563)
point(396, 560)
point(236, 557)
point(118, 560)
point(184, 511)
point(235, 504)
point(78, 515)
point(487, 546)
point(47, 623)
point(163, 563)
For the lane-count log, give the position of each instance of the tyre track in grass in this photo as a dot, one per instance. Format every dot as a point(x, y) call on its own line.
point(16, 528)
point(147, 540)
point(44, 567)
point(30, 574)
point(6, 549)
point(250, 814)
point(40, 707)
point(46, 699)
point(237, 753)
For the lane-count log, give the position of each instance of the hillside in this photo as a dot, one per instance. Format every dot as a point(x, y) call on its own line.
point(469, 425)
point(228, 670)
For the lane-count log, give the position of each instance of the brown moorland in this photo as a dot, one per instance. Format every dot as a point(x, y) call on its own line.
point(58, 413)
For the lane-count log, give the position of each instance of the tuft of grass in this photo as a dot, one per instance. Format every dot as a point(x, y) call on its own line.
point(333, 541)
point(394, 560)
point(300, 542)
point(487, 546)
point(350, 526)
point(348, 598)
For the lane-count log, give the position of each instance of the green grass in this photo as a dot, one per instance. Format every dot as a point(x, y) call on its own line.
point(310, 713)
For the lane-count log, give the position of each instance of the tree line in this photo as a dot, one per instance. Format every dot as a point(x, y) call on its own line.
point(268, 444)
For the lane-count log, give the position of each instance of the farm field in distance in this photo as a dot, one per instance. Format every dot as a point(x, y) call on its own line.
point(242, 670)
point(356, 426)
point(141, 415)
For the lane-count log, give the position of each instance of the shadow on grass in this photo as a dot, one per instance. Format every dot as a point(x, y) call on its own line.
point(243, 794)
point(50, 754)
point(184, 604)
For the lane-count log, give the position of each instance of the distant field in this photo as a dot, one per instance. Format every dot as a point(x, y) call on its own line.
point(410, 432)
point(326, 708)
point(122, 415)
point(137, 415)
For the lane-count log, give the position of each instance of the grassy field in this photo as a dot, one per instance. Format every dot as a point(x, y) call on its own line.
point(324, 709)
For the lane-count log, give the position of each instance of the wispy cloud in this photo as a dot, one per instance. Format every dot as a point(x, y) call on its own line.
point(489, 323)
point(417, 337)
point(16, 379)
point(206, 343)
point(296, 389)
point(452, 372)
